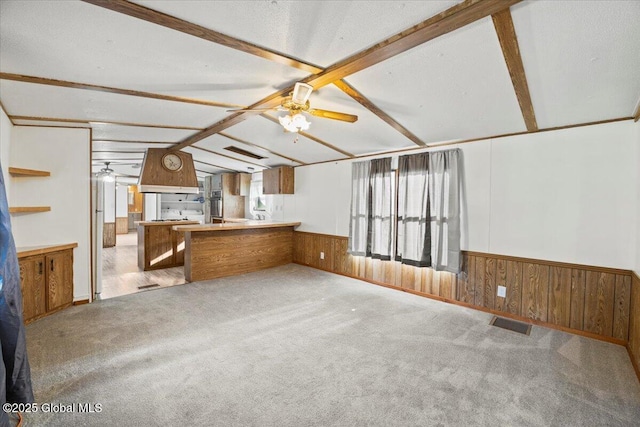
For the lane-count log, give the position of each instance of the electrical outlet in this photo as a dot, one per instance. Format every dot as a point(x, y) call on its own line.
point(502, 291)
point(321, 255)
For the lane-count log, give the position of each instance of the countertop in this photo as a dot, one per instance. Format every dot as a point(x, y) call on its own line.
point(26, 251)
point(249, 224)
point(165, 223)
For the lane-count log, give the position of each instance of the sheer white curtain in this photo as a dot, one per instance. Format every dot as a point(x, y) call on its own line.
point(381, 210)
point(359, 221)
point(414, 226)
point(444, 198)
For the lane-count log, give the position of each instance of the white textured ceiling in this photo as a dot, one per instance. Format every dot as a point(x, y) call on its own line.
point(455, 87)
point(319, 32)
point(582, 61)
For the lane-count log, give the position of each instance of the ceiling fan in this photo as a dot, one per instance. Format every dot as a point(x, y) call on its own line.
point(296, 104)
point(106, 173)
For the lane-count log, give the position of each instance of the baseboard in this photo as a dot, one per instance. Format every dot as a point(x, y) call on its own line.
point(81, 301)
point(633, 362)
point(483, 309)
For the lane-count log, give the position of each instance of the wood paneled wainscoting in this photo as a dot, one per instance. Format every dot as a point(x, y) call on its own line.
point(122, 225)
point(109, 235)
point(590, 301)
point(634, 324)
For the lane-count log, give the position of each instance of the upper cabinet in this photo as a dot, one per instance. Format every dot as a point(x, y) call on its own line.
point(243, 184)
point(278, 180)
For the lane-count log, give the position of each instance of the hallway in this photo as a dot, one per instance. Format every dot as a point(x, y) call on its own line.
point(120, 273)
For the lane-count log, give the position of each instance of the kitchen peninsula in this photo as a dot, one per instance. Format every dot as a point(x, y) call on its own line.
point(219, 250)
point(159, 246)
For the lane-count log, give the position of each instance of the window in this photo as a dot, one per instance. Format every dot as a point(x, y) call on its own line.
point(427, 228)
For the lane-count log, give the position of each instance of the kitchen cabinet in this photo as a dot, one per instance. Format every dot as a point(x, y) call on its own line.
point(242, 184)
point(46, 280)
point(278, 180)
point(216, 182)
point(232, 204)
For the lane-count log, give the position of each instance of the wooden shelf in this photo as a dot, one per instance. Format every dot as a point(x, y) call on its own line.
point(29, 209)
point(20, 172)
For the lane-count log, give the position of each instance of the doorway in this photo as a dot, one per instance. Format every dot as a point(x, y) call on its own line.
point(123, 207)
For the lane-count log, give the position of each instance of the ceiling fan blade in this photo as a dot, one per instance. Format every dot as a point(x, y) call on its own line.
point(333, 115)
point(301, 93)
point(249, 109)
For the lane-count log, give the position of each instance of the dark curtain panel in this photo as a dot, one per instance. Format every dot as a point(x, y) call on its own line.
point(15, 366)
point(414, 222)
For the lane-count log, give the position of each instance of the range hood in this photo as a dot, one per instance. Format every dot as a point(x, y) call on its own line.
point(178, 177)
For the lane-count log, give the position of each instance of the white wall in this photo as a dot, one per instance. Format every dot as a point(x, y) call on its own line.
point(151, 209)
point(109, 205)
point(122, 201)
point(567, 195)
point(65, 153)
point(6, 128)
point(637, 219)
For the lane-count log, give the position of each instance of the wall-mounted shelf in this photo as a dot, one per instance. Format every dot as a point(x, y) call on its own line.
point(29, 209)
point(20, 172)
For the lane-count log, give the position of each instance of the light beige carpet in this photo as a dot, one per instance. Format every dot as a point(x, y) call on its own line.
point(294, 346)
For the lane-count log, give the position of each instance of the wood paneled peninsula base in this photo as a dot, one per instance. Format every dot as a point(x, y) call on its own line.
point(219, 250)
point(159, 246)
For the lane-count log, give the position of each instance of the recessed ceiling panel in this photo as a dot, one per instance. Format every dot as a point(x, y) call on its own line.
point(319, 32)
point(272, 136)
point(218, 143)
point(80, 42)
point(454, 87)
point(582, 59)
point(35, 100)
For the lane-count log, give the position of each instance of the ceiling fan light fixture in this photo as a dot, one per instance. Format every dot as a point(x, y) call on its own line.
point(294, 122)
point(301, 93)
point(106, 173)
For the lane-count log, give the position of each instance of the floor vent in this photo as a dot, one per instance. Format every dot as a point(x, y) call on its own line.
point(155, 285)
point(511, 325)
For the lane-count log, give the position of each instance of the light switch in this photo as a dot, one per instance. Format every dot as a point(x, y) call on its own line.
point(321, 255)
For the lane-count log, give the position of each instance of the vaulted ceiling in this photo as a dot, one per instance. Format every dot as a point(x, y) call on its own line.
point(416, 73)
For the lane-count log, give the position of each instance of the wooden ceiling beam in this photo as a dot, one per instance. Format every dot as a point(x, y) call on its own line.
point(251, 144)
point(506, 32)
point(454, 18)
point(108, 89)
point(445, 22)
point(107, 122)
point(177, 24)
point(353, 93)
